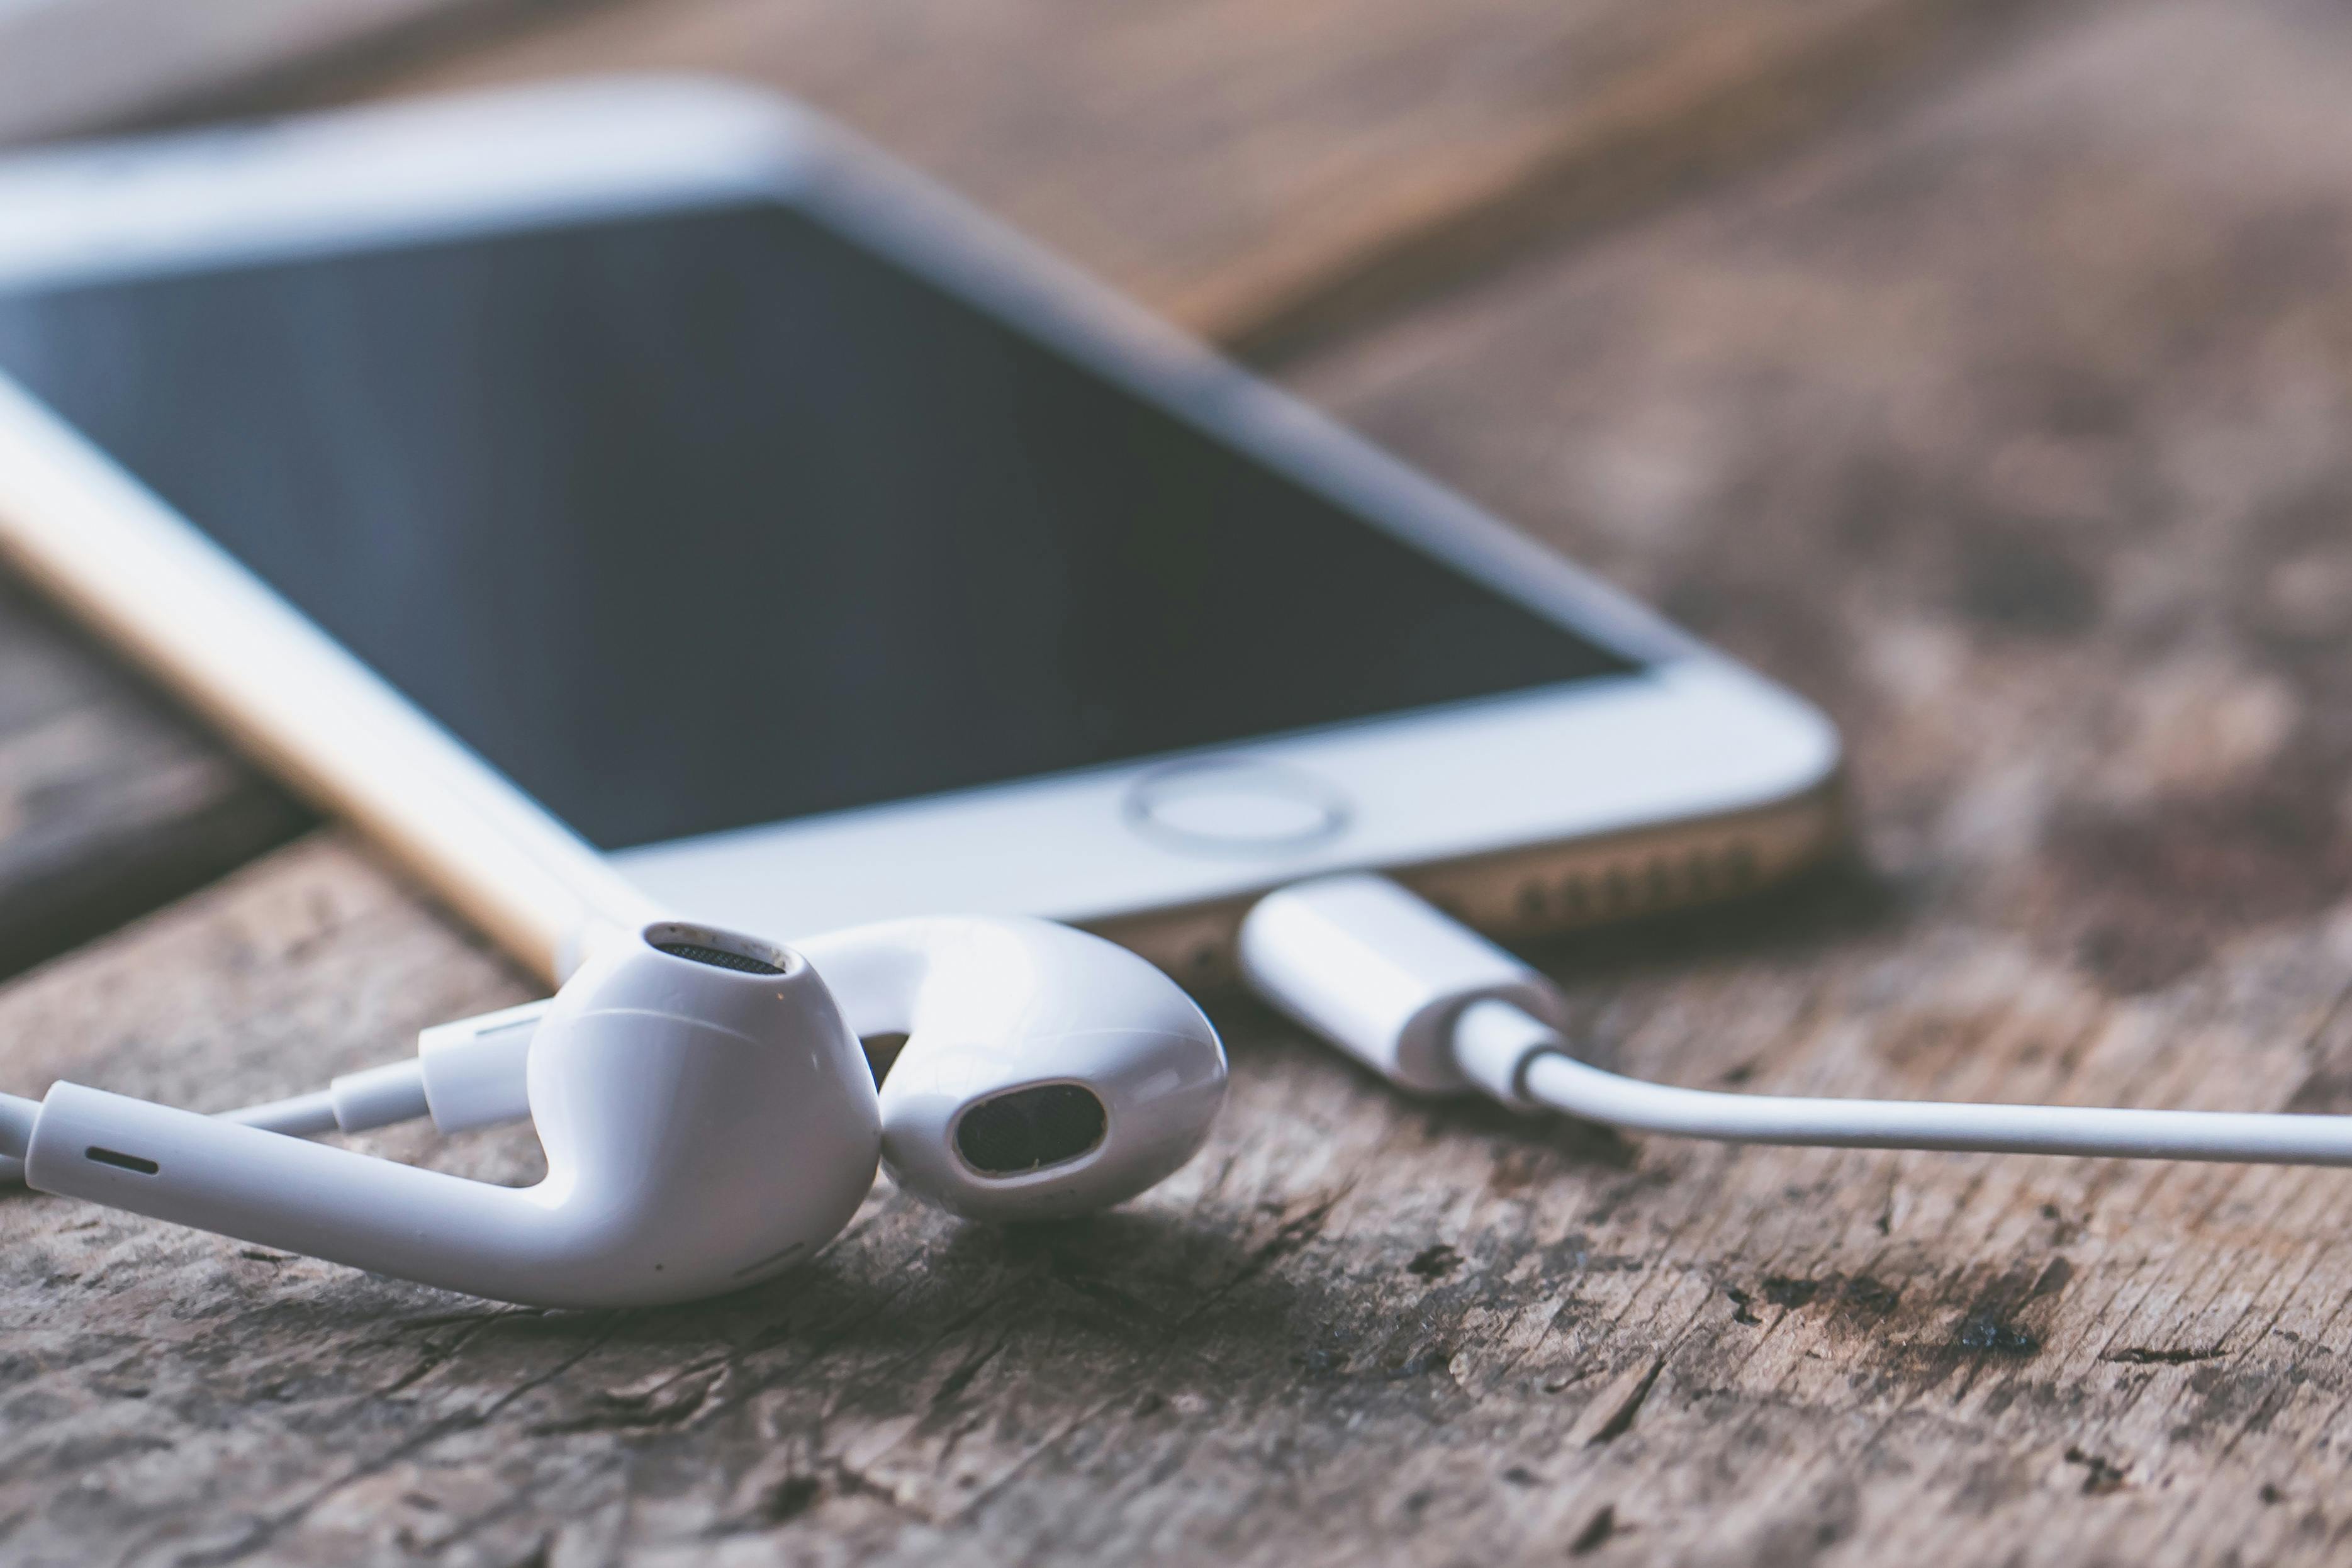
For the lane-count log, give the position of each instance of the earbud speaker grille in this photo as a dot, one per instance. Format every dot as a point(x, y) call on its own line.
point(718, 957)
point(1030, 1129)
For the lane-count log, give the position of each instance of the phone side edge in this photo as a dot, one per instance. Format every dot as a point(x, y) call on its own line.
point(120, 559)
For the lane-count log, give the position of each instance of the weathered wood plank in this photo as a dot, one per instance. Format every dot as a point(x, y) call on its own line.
point(1219, 156)
point(1231, 163)
point(2013, 430)
point(110, 802)
point(68, 68)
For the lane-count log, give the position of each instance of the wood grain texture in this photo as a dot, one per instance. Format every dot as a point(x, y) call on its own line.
point(110, 802)
point(2012, 429)
point(79, 67)
point(1260, 172)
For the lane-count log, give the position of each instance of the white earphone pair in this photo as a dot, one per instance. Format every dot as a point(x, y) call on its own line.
point(710, 1120)
point(708, 1115)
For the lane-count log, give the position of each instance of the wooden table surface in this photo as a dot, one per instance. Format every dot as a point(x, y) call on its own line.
point(1982, 371)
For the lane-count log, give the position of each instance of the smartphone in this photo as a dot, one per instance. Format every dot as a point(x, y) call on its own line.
point(640, 492)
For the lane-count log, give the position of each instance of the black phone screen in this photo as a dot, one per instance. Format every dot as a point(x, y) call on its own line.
point(704, 518)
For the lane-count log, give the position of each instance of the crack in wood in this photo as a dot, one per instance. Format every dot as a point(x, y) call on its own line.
point(1596, 1532)
point(1290, 1237)
point(264, 1530)
point(672, 1403)
point(2100, 1475)
point(1621, 1420)
point(956, 1382)
point(435, 1357)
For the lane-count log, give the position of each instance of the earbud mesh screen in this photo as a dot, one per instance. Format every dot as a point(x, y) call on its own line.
point(718, 957)
point(1030, 1129)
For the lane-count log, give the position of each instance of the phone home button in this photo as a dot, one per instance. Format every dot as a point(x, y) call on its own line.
point(1235, 805)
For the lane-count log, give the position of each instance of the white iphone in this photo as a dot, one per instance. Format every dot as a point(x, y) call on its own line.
point(641, 491)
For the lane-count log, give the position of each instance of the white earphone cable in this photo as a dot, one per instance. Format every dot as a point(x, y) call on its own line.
point(1432, 1006)
point(17, 1116)
point(1548, 1076)
point(303, 1116)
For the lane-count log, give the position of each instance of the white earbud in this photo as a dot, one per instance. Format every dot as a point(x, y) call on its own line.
point(707, 1116)
point(708, 1119)
point(1046, 1072)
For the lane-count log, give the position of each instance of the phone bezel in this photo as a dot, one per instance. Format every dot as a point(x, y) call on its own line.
point(1690, 735)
